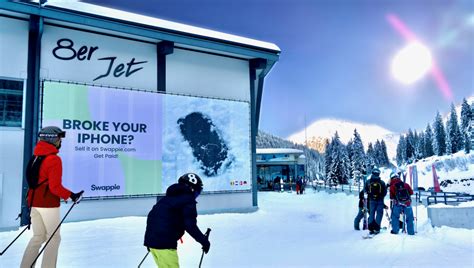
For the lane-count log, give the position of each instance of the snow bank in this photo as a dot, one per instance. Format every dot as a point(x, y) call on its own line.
point(455, 172)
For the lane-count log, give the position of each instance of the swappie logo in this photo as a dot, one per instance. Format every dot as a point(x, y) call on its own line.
point(105, 187)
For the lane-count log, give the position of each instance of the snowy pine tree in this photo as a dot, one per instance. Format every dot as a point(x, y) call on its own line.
point(350, 153)
point(403, 143)
point(429, 151)
point(448, 139)
point(466, 117)
point(370, 156)
point(378, 153)
point(339, 167)
point(439, 136)
point(358, 154)
point(410, 146)
point(420, 145)
point(385, 160)
point(327, 160)
point(453, 132)
point(400, 150)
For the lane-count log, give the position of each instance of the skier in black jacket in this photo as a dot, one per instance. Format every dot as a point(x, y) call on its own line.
point(376, 190)
point(170, 217)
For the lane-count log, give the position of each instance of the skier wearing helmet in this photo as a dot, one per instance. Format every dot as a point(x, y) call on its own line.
point(170, 217)
point(44, 205)
point(376, 190)
point(400, 193)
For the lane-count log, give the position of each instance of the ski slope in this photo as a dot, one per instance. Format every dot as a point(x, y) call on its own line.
point(288, 230)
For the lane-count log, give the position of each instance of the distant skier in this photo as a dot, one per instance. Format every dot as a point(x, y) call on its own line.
point(400, 193)
point(299, 185)
point(44, 199)
point(362, 211)
point(170, 217)
point(376, 190)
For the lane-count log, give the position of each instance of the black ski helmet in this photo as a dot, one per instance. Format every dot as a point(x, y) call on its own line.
point(375, 172)
point(192, 180)
point(51, 134)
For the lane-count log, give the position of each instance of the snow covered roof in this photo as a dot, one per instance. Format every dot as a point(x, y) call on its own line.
point(119, 15)
point(279, 151)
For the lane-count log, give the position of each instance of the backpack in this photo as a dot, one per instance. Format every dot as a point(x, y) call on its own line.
point(401, 193)
point(375, 189)
point(32, 171)
point(32, 178)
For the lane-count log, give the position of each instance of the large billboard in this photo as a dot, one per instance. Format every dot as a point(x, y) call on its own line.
point(128, 142)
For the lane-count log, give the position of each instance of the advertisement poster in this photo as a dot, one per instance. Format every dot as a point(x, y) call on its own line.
point(209, 137)
point(123, 142)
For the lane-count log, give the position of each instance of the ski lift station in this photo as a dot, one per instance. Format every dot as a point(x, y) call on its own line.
point(142, 101)
point(274, 164)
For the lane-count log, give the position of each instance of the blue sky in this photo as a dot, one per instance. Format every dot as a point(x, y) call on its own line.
point(335, 60)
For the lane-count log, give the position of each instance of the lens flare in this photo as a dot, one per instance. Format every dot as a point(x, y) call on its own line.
point(436, 72)
point(411, 63)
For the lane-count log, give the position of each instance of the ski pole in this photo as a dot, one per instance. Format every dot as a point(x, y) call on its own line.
point(202, 255)
point(416, 214)
point(146, 255)
point(388, 218)
point(47, 242)
point(27, 227)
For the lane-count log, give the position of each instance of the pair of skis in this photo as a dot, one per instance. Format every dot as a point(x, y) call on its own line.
point(370, 236)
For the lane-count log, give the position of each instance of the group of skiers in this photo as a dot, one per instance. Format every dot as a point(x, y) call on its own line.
point(175, 213)
point(166, 223)
point(371, 200)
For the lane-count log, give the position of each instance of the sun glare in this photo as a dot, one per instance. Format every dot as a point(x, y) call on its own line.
point(411, 63)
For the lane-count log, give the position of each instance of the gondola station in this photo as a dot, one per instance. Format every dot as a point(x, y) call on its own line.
point(142, 101)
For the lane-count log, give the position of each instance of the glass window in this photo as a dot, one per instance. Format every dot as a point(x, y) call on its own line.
point(11, 100)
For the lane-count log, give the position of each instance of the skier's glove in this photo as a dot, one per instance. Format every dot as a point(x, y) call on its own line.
point(205, 246)
point(385, 206)
point(76, 197)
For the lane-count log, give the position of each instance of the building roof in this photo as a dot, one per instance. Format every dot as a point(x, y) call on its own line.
point(119, 15)
point(118, 22)
point(279, 151)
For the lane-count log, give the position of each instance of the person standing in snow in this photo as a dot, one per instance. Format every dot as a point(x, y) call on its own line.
point(170, 217)
point(299, 186)
point(400, 194)
point(362, 211)
point(376, 191)
point(44, 205)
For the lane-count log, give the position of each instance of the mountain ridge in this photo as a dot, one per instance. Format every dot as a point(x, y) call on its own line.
point(322, 129)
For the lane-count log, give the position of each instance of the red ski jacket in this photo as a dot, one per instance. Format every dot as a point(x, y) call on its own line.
point(393, 189)
point(48, 194)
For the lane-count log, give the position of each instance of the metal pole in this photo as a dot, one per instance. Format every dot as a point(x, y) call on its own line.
point(416, 214)
point(202, 255)
point(146, 255)
point(27, 227)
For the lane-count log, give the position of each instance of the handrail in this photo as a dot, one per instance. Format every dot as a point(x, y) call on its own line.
point(449, 198)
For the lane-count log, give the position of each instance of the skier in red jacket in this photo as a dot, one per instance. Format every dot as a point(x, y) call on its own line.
point(400, 193)
point(44, 200)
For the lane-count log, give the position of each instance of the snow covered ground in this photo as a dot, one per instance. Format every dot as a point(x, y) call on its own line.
point(288, 230)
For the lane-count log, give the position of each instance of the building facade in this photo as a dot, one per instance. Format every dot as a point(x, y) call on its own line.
point(275, 166)
point(142, 100)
